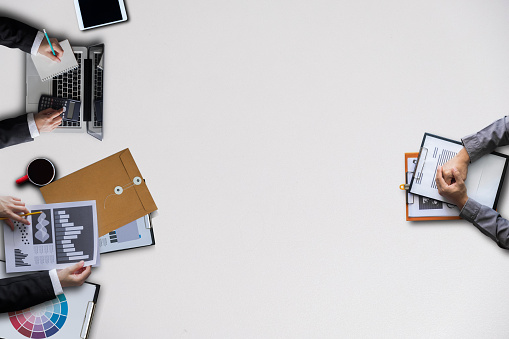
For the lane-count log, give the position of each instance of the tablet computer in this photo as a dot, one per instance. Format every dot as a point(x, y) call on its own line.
point(97, 13)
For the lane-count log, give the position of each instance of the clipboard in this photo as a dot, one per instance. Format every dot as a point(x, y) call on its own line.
point(115, 183)
point(485, 177)
point(69, 315)
point(415, 199)
point(136, 234)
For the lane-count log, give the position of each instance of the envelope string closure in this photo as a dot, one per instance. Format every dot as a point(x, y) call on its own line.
point(120, 189)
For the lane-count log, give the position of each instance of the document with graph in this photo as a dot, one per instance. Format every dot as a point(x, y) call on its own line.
point(60, 235)
point(484, 179)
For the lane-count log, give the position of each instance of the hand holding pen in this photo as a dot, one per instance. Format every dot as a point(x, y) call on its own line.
point(50, 48)
point(10, 208)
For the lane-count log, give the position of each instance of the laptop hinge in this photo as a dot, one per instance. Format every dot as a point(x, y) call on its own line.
point(54, 87)
point(87, 93)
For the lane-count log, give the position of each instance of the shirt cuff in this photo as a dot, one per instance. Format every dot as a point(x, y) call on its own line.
point(55, 282)
point(37, 43)
point(32, 127)
point(470, 210)
point(473, 146)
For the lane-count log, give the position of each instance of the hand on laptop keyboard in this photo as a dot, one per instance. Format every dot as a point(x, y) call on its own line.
point(48, 119)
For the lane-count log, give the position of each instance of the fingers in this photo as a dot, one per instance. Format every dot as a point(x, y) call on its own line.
point(19, 209)
point(57, 48)
point(18, 202)
point(457, 176)
point(16, 217)
point(52, 113)
point(75, 267)
point(48, 119)
point(14, 207)
point(53, 57)
point(447, 175)
point(85, 274)
point(79, 273)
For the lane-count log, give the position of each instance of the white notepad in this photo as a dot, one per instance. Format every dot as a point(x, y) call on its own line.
point(48, 68)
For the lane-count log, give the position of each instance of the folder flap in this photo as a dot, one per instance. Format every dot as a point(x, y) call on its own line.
point(140, 188)
point(109, 182)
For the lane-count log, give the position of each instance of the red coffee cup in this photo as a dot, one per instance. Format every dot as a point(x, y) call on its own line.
point(40, 172)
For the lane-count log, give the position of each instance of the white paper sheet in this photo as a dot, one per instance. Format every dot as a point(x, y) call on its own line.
point(137, 233)
point(419, 206)
point(483, 177)
point(62, 234)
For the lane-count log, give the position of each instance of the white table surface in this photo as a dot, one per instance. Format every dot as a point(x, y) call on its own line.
point(272, 137)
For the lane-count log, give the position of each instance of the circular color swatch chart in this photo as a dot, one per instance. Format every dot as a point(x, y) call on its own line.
point(41, 321)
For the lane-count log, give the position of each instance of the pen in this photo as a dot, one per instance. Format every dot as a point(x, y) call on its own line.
point(49, 42)
point(24, 215)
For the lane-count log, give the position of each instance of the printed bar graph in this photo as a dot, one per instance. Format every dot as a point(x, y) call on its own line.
point(73, 231)
point(19, 258)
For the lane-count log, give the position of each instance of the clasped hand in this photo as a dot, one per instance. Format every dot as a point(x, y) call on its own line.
point(451, 178)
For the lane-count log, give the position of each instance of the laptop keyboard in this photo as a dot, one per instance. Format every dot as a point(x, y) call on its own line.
point(68, 86)
point(98, 84)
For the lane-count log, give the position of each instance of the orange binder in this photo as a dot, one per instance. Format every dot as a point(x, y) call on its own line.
point(405, 188)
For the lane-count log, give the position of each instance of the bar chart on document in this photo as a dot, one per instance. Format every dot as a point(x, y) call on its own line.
point(59, 235)
point(71, 237)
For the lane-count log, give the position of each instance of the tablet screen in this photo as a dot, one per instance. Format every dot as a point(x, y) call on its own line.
point(99, 12)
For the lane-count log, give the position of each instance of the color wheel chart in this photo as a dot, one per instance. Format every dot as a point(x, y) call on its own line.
point(41, 321)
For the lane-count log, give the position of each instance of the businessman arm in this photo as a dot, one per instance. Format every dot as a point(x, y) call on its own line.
point(16, 34)
point(475, 146)
point(487, 220)
point(18, 293)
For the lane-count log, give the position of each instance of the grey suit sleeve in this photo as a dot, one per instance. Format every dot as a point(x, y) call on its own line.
point(486, 140)
point(18, 293)
point(14, 131)
point(486, 219)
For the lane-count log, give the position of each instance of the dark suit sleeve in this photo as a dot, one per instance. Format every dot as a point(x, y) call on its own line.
point(15, 34)
point(14, 131)
point(24, 291)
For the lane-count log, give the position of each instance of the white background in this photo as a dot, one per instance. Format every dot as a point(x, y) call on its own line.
point(272, 137)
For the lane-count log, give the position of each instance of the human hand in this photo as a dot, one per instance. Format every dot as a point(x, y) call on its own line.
point(460, 162)
point(74, 275)
point(45, 49)
point(48, 119)
point(455, 192)
point(10, 207)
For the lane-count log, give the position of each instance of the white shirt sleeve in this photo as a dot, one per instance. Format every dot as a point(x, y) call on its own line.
point(37, 43)
point(55, 282)
point(34, 131)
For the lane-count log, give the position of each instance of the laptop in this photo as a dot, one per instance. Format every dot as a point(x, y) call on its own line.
point(84, 84)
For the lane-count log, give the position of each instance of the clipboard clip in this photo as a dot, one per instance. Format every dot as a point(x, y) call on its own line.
point(421, 161)
point(89, 314)
point(406, 187)
point(149, 226)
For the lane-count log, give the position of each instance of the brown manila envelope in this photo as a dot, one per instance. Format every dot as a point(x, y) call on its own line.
point(115, 183)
